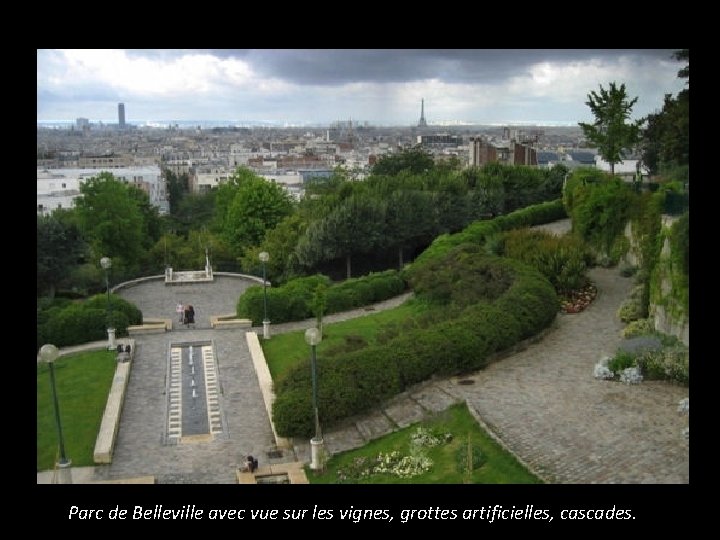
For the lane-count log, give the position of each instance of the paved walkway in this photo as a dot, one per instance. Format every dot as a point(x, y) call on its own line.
point(543, 402)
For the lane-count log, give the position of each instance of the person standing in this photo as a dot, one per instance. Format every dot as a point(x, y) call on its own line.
point(180, 310)
point(189, 316)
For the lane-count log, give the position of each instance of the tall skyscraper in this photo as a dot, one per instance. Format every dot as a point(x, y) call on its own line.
point(422, 122)
point(121, 115)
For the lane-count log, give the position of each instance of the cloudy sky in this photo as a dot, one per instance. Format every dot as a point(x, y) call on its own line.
point(382, 87)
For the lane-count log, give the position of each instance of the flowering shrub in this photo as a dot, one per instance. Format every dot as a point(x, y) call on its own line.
point(424, 437)
point(631, 375)
point(603, 372)
point(684, 405)
point(403, 466)
point(684, 408)
point(639, 327)
point(671, 363)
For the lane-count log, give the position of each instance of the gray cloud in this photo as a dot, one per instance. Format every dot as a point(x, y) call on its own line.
point(338, 66)
point(322, 85)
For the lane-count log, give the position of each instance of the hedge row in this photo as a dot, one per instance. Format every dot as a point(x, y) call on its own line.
point(357, 381)
point(294, 301)
point(80, 322)
point(479, 231)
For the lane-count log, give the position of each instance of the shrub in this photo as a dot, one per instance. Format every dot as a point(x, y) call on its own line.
point(448, 340)
point(621, 361)
point(600, 211)
point(462, 457)
point(671, 363)
point(630, 310)
point(560, 259)
point(640, 327)
point(631, 375)
point(293, 413)
point(464, 276)
point(294, 301)
point(67, 323)
point(478, 231)
point(351, 343)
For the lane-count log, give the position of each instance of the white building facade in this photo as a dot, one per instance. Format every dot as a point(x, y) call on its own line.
point(58, 188)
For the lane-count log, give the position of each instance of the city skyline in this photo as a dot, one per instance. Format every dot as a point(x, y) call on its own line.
point(382, 87)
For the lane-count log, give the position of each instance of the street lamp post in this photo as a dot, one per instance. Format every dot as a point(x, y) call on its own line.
point(106, 263)
point(264, 257)
point(48, 354)
point(313, 338)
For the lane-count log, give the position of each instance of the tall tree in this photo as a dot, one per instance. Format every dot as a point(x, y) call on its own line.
point(152, 224)
point(354, 227)
point(666, 139)
point(410, 220)
point(280, 243)
point(59, 247)
point(256, 207)
point(193, 212)
point(611, 131)
point(177, 188)
point(111, 220)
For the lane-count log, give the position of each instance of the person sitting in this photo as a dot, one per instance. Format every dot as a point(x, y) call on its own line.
point(251, 464)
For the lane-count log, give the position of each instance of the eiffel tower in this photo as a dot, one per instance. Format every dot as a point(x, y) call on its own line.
point(422, 122)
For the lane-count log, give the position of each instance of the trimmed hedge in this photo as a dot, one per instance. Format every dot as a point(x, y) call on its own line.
point(479, 231)
point(81, 322)
point(355, 382)
point(293, 301)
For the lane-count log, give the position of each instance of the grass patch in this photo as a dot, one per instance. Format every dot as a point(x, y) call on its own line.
point(83, 382)
point(491, 463)
point(284, 351)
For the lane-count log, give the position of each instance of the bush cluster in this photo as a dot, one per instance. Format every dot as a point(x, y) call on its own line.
point(655, 356)
point(356, 381)
point(670, 364)
point(72, 323)
point(600, 208)
point(479, 231)
point(561, 259)
point(633, 307)
point(294, 301)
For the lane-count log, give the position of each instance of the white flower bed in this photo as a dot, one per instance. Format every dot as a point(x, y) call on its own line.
point(602, 371)
point(684, 405)
point(631, 375)
point(417, 462)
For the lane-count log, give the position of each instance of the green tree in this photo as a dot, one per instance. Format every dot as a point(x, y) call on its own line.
point(256, 207)
point(193, 212)
point(416, 160)
point(410, 220)
point(152, 224)
point(112, 221)
point(611, 131)
point(177, 188)
point(59, 246)
point(280, 243)
point(354, 227)
point(666, 138)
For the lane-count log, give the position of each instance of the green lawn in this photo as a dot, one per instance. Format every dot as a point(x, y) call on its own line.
point(285, 350)
point(83, 383)
point(493, 465)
